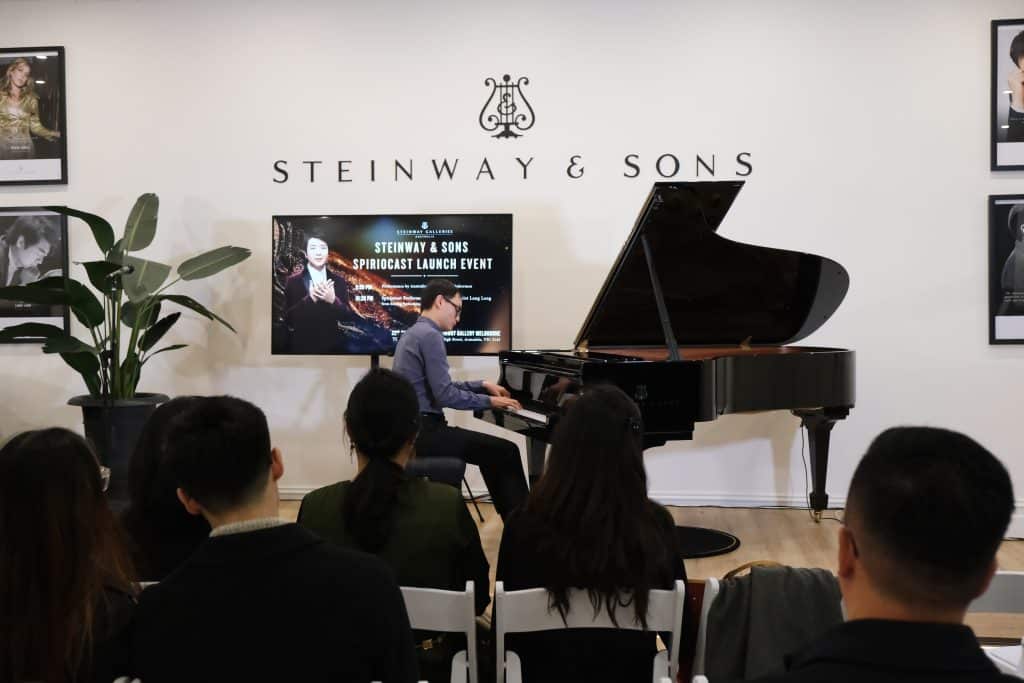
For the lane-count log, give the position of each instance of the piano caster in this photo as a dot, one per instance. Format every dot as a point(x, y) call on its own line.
point(817, 516)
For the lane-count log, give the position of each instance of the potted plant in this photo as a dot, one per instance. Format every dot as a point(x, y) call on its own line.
point(124, 325)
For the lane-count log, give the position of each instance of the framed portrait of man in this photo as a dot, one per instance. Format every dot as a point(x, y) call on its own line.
point(33, 246)
point(1008, 95)
point(1006, 269)
point(33, 116)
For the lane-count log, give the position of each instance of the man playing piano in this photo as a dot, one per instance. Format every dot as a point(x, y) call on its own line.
point(421, 358)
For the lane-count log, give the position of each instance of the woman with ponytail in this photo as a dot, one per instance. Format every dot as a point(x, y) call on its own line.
point(422, 529)
point(589, 524)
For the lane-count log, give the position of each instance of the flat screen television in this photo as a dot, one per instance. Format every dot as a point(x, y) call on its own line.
point(374, 270)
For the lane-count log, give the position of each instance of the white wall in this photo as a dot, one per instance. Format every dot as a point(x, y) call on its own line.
point(867, 124)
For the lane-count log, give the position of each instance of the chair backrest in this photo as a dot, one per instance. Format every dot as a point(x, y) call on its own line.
point(432, 609)
point(710, 593)
point(1004, 595)
point(527, 611)
point(443, 469)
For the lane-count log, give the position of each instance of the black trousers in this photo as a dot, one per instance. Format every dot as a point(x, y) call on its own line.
point(498, 459)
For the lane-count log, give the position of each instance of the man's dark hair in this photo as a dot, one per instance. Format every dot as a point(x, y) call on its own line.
point(218, 450)
point(1017, 49)
point(1015, 222)
point(443, 287)
point(928, 509)
point(32, 229)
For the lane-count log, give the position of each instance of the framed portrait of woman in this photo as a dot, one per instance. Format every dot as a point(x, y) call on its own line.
point(33, 116)
point(33, 246)
point(1008, 95)
point(1006, 268)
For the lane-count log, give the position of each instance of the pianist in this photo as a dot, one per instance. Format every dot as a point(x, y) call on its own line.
point(421, 358)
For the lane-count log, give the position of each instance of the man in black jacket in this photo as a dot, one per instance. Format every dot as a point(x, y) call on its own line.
point(261, 600)
point(926, 512)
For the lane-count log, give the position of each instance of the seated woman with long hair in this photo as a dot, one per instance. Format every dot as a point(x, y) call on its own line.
point(66, 590)
point(589, 524)
point(161, 532)
point(422, 529)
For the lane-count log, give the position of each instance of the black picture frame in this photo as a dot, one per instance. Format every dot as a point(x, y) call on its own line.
point(29, 152)
point(1006, 269)
point(27, 220)
point(1007, 133)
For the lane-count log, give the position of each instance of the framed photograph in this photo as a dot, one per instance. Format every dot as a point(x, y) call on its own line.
point(33, 146)
point(1006, 269)
point(33, 245)
point(1008, 95)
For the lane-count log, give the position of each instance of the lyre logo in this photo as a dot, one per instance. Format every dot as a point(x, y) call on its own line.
point(507, 108)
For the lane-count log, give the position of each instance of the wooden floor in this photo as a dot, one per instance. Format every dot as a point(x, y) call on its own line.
point(787, 536)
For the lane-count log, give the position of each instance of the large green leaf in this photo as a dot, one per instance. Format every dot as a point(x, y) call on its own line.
point(84, 304)
point(30, 331)
point(100, 274)
point(88, 366)
point(158, 330)
point(146, 279)
point(102, 232)
point(68, 344)
point(213, 261)
point(140, 229)
point(130, 311)
point(192, 304)
point(172, 347)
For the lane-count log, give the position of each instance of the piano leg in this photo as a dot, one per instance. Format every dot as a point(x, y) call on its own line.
point(535, 452)
point(819, 423)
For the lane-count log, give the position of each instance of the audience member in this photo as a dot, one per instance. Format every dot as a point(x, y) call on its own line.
point(162, 533)
point(422, 529)
point(261, 600)
point(926, 512)
point(65, 577)
point(588, 523)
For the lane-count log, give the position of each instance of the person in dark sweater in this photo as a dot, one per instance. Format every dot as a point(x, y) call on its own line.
point(420, 528)
point(162, 533)
point(926, 512)
point(261, 600)
point(66, 591)
point(588, 523)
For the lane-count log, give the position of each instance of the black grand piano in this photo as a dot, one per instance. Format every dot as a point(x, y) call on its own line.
point(693, 325)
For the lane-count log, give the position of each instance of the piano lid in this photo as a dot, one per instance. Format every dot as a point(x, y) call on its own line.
point(717, 291)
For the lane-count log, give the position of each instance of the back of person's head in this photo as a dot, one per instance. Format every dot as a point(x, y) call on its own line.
point(381, 420)
point(1017, 49)
point(59, 548)
point(599, 527)
point(928, 509)
point(155, 519)
point(439, 286)
point(218, 451)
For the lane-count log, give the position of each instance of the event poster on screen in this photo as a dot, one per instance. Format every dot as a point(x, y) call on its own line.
point(347, 285)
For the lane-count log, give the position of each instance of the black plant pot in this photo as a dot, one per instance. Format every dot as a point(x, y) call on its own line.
point(113, 428)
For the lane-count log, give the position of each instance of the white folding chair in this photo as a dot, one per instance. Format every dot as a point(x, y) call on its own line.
point(526, 611)
point(1005, 595)
point(432, 609)
point(710, 593)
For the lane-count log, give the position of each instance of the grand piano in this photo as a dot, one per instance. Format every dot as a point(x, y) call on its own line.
point(693, 325)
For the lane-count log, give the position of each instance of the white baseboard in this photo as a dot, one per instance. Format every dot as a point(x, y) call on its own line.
point(1016, 528)
point(722, 499)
